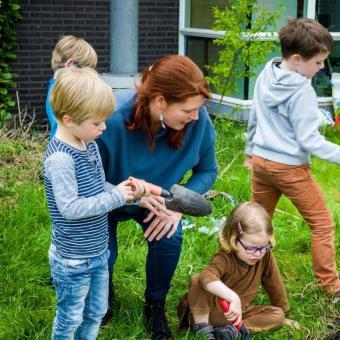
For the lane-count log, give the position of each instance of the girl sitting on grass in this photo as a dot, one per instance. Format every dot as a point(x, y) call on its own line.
point(235, 274)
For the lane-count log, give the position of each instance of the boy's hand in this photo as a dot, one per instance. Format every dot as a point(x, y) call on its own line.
point(247, 162)
point(139, 188)
point(126, 189)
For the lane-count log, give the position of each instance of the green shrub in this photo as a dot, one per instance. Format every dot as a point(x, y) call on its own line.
point(9, 14)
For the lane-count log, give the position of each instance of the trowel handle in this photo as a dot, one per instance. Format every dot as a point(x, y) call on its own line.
point(154, 189)
point(157, 190)
point(224, 304)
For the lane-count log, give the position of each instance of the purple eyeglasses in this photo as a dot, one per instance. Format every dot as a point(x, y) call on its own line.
point(253, 250)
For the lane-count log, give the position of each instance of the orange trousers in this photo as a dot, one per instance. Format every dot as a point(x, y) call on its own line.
point(270, 180)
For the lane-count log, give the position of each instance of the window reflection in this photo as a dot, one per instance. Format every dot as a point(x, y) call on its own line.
point(201, 14)
point(327, 12)
point(202, 51)
point(321, 81)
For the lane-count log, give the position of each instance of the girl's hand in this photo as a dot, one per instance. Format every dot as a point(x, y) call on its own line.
point(292, 324)
point(161, 224)
point(247, 162)
point(234, 314)
point(222, 291)
point(126, 189)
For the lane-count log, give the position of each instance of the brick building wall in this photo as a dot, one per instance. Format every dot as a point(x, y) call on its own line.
point(44, 21)
point(158, 30)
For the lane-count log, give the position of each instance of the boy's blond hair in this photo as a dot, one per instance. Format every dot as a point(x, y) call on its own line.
point(71, 47)
point(81, 94)
point(252, 218)
point(305, 37)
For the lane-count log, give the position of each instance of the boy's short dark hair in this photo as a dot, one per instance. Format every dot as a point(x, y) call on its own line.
point(305, 37)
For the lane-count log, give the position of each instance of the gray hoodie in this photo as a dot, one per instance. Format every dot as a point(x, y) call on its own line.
point(284, 119)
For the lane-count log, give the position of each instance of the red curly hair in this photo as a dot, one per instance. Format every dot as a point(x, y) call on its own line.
point(174, 77)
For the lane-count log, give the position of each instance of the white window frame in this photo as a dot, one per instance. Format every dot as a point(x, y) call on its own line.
point(185, 32)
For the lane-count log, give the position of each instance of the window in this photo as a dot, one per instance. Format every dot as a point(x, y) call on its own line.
point(196, 36)
point(326, 12)
point(200, 15)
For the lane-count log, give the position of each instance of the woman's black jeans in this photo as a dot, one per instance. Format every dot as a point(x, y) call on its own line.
point(162, 257)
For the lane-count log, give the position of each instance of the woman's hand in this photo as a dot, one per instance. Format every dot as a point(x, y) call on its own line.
point(162, 222)
point(155, 204)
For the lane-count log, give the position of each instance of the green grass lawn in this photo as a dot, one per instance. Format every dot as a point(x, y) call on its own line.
point(27, 301)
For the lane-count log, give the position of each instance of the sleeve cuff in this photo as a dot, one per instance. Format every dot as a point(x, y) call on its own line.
point(116, 193)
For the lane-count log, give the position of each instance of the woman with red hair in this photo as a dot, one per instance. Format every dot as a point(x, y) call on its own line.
point(160, 132)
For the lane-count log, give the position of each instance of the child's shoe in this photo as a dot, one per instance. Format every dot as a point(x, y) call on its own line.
point(204, 329)
point(228, 332)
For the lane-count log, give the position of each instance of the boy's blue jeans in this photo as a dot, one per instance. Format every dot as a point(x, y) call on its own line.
point(162, 257)
point(82, 293)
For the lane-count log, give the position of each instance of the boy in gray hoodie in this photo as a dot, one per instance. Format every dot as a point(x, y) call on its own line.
point(283, 133)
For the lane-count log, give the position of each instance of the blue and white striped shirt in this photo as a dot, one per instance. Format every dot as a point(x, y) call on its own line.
point(78, 199)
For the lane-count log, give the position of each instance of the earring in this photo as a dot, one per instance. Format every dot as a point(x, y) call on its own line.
point(161, 119)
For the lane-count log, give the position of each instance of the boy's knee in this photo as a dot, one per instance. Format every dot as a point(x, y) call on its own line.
point(95, 315)
point(322, 228)
point(66, 324)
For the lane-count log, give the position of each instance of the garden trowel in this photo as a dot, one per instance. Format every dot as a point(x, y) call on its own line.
point(181, 199)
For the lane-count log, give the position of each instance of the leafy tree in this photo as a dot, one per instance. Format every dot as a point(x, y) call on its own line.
point(241, 48)
point(9, 14)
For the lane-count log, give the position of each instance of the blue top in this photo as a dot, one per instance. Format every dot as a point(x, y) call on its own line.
point(78, 199)
point(49, 110)
point(284, 120)
point(126, 153)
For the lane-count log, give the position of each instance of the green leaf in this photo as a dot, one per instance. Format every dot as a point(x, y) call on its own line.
point(10, 103)
point(10, 55)
point(15, 7)
point(10, 14)
point(7, 75)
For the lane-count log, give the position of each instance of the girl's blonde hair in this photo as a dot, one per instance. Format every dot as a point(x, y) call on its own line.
point(252, 218)
point(81, 94)
point(71, 47)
